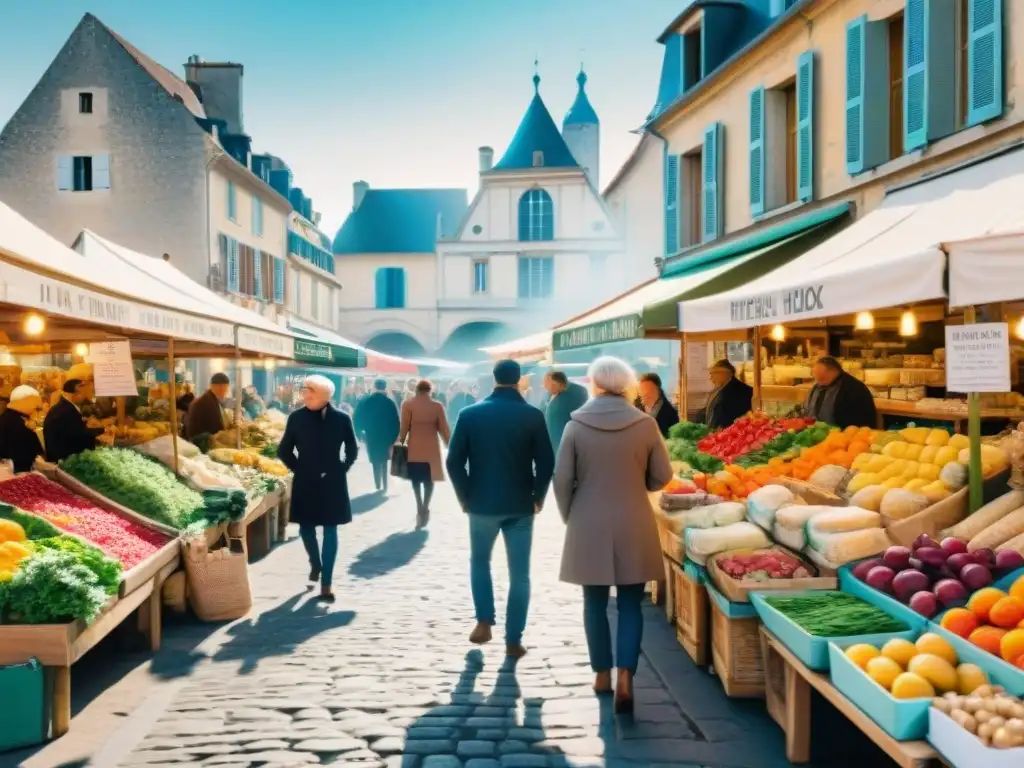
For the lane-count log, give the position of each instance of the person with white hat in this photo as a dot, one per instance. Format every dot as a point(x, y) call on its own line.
point(18, 442)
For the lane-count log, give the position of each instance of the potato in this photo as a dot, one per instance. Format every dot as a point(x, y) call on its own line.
point(1004, 739)
point(942, 705)
point(985, 732)
point(965, 721)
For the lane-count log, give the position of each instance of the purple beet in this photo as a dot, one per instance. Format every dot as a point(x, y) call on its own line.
point(984, 556)
point(953, 545)
point(924, 540)
point(1009, 560)
point(925, 604)
point(956, 562)
point(861, 570)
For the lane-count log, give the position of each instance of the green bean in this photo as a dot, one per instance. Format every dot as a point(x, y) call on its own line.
point(835, 614)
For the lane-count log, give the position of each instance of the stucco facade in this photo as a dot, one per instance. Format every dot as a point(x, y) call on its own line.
point(635, 200)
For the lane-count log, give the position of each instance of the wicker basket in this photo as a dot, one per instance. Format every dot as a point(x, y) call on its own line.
point(218, 579)
point(736, 654)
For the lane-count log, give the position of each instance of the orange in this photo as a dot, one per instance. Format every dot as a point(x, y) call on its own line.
point(1017, 590)
point(1019, 662)
point(1012, 645)
point(959, 621)
point(1007, 612)
point(987, 638)
point(981, 602)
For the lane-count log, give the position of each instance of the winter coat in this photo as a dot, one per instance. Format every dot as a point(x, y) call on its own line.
point(560, 408)
point(611, 457)
point(500, 459)
point(667, 415)
point(320, 488)
point(854, 406)
point(728, 404)
point(17, 442)
point(65, 433)
point(423, 421)
point(205, 416)
point(377, 422)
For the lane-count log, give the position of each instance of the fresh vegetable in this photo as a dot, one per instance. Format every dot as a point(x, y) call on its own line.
point(1007, 527)
point(106, 570)
point(834, 614)
point(986, 711)
point(988, 515)
point(762, 566)
point(684, 430)
point(52, 587)
point(748, 433)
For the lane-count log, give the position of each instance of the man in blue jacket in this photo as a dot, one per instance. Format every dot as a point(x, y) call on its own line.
point(500, 461)
point(566, 397)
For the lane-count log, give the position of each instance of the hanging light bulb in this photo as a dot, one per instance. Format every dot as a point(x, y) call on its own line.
point(34, 325)
point(81, 350)
point(269, 364)
point(1019, 329)
point(865, 321)
point(908, 323)
point(778, 333)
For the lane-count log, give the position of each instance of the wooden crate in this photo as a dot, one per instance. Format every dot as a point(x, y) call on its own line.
point(254, 528)
point(736, 654)
point(691, 614)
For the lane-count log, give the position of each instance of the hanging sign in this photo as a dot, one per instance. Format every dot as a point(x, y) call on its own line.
point(978, 357)
point(623, 328)
point(268, 343)
point(112, 369)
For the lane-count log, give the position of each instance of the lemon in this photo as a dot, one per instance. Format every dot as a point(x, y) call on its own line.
point(970, 677)
point(911, 686)
point(900, 650)
point(931, 643)
point(883, 671)
point(936, 670)
point(861, 653)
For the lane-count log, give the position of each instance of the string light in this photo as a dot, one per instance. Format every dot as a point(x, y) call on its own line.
point(865, 321)
point(908, 324)
point(779, 333)
point(34, 325)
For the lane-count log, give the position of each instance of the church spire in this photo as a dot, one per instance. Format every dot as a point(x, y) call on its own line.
point(581, 112)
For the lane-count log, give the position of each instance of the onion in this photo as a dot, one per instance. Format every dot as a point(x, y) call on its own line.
point(897, 558)
point(880, 577)
point(950, 593)
point(861, 570)
point(908, 583)
point(924, 540)
point(1009, 560)
point(933, 556)
point(975, 576)
point(925, 604)
point(957, 562)
point(984, 556)
point(953, 545)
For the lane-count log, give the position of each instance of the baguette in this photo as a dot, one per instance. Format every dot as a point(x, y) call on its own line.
point(989, 514)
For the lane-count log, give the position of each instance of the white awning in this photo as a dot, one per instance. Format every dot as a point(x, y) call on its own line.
point(890, 257)
point(987, 269)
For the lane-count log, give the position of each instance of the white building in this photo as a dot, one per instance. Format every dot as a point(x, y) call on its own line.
point(534, 246)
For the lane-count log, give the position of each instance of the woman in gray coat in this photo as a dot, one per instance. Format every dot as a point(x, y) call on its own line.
point(611, 456)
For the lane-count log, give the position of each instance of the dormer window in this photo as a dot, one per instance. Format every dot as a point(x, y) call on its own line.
point(538, 159)
point(85, 103)
point(693, 68)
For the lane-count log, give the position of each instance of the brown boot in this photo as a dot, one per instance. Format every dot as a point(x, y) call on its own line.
point(603, 682)
point(624, 693)
point(481, 634)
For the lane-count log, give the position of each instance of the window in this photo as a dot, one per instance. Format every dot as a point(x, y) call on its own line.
point(85, 103)
point(257, 216)
point(536, 216)
point(480, 276)
point(693, 189)
point(390, 288)
point(229, 263)
point(692, 59)
point(315, 255)
point(279, 273)
point(538, 159)
point(83, 173)
point(536, 277)
point(232, 202)
point(896, 30)
point(789, 99)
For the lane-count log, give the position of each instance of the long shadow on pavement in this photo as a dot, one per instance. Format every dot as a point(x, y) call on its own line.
point(367, 502)
point(394, 552)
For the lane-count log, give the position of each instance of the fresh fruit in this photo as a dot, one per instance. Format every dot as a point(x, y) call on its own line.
point(861, 653)
point(1011, 646)
point(959, 621)
point(981, 602)
point(899, 650)
point(1017, 590)
point(1007, 612)
point(883, 671)
point(970, 677)
point(937, 671)
point(935, 645)
point(911, 686)
point(988, 638)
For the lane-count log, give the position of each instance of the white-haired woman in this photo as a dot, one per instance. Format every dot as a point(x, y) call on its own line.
point(311, 448)
point(610, 457)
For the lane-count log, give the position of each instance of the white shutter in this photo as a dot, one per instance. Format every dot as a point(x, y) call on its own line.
point(65, 173)
point(101, 171)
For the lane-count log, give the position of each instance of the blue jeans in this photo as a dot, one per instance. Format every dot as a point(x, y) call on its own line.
point(324, 564)
point(518, 535)
point(628, 600)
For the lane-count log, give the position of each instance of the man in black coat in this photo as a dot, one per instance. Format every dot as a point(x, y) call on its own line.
point(654, 402)
point(64, 430)
point(311, 448)
point(731, 398)
point(377, 423)
point(838, 398)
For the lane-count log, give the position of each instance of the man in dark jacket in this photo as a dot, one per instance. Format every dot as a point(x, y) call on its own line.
point(19, 443)
point(64, 430)
point(731, 398)
point(377, 423)
point(654, 402)
point(206, 414)
point(838, 398)
point(500, 461)
point(566, 397)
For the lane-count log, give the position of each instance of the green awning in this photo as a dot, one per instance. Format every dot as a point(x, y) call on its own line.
point(317, 350)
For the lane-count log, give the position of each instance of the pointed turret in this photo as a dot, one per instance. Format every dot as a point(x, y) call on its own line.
point(537, 142)
point(582, 130)
point(581, 112)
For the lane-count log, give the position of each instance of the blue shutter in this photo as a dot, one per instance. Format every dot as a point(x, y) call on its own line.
point(547, 277)
point(915, 76)
point(381, 288)
point(984, 60)
point(855, 95)
point(757, 127)
point(101, 171)
point(712, 186)
point(398, 288)
point(232, 265)
point(257, 274)
point(231, 200)
point(279, 280)
point(65, 173)
point(867, 94)
point(805, 126)
point(930, 70)
point(671, 204)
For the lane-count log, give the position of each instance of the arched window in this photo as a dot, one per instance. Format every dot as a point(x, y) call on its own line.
point(536, 216)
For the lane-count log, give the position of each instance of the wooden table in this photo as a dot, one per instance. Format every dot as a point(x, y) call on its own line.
point(788, 684)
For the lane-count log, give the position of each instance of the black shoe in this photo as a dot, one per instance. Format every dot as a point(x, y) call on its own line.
point(328, 598)
point(314, 575)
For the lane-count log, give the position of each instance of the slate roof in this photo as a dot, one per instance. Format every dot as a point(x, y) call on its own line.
point(581, 112)
point(401, 221)
point(537, 132)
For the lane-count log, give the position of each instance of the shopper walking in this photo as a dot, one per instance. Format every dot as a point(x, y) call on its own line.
point(377, 424)
point(311, 448)
point(610, 457)
point(501, 462)
point(566, 397)
point(423, 422)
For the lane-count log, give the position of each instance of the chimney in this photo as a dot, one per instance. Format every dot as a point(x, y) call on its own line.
point(359, 190)
point(220, 87)
point(486, 159)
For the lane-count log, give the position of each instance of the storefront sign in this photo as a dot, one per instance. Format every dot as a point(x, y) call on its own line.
point(313, 352)
point(770, 307)
point(112, 368)
point(268, 343)
point(978, 357)
point(605, 332)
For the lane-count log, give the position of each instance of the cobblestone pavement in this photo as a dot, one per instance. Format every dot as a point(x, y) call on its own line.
point(385, 678)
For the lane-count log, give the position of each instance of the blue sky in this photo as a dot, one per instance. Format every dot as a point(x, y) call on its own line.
point(397, 92)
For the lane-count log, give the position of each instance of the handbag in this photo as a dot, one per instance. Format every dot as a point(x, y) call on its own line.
point(400, 461)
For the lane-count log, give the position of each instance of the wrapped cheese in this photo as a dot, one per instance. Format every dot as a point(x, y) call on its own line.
point(832, 550)
point(763, 503)
point(702, 543)
point(791, 521)
point(726, 513)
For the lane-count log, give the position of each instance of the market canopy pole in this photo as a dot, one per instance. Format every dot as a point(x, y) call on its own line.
point(974, 478)
point(173, 397)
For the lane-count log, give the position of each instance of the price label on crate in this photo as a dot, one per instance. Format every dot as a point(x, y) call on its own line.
point(978, 357)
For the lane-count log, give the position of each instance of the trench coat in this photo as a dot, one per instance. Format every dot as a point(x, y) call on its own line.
point(423, 421)
point(610, 458)
point(311, 448)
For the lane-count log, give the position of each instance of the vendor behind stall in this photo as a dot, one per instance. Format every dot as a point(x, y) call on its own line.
point(838, 398)
point(730, 399)
point(18, 442)
point(64, 430)
point(653, 401)
point(206, 414)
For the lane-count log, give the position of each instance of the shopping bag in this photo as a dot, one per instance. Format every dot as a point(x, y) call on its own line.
point(400, 462)
point(218, 579)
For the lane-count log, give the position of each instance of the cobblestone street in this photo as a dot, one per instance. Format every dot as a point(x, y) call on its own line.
point(386, 676)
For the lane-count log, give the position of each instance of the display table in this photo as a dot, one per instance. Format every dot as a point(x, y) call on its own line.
point(255, 526)
point(788, 684)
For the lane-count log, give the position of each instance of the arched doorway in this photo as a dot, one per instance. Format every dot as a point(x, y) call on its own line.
point(396, 343)
point(465, 342)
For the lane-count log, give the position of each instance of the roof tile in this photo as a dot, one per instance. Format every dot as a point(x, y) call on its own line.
point(401, 221)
